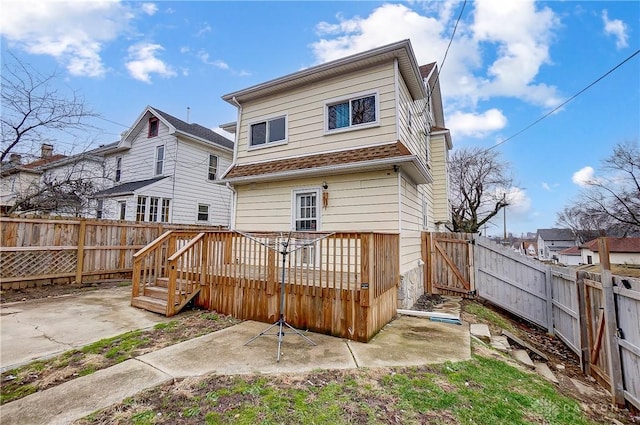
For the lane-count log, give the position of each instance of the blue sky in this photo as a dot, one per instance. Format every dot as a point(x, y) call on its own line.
point(510, 63)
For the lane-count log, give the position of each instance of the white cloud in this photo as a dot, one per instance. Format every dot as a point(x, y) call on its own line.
point(519, 202)
point(142, 62)
point(476, 124)
point(583, 176)
point(549, 187)
point(149, 8)
point(205, 29)
point(617, 28)
point(73, 32)
point(205, 58)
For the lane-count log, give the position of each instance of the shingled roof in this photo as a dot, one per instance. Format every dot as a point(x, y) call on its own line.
point(126, 188)
point(195, 130)
point(309, 162)
point(556, 234)
point(616, 245)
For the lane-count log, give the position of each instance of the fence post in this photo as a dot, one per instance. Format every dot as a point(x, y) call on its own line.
point(585, 353)
point(424, 239)
point(82, 231)
point(548, 280)
point(611, 323)
point(367, 270)
point(428, 272)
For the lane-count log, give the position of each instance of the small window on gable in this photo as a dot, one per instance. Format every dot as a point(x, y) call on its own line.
point(153, 126)
point(269, 131)
point(352, 112)
point(213, 167)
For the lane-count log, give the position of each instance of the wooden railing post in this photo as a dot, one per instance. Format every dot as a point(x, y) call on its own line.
point(204, 271)
point(367, 270)
point(611, 323)
point(82, 231)
point(585, 353)
point(171, 287)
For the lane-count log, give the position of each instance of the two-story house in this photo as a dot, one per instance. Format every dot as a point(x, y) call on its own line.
point(552, 241)
point(164, 170)
point(356, 144)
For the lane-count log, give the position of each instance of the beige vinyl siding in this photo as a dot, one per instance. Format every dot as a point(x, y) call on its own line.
point(413, 136)
point(305, 111)
point(357, 202)
point(411, 225)
point(441, 210)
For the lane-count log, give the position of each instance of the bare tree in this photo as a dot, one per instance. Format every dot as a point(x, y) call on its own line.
point(33, 109)
point(611, 201)
point(479, 181)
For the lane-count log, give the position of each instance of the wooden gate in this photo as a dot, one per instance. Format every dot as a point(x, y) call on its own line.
point(595, 328)
point(449, 264)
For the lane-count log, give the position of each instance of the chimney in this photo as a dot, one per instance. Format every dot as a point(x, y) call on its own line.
point(15, 159)
point(46, 150)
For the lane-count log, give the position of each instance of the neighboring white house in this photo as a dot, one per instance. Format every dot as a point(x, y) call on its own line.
point(55, 184)
point(357, 144)
point(621, 251)
point(570, 256)
point(164, 170)
point(552, 241)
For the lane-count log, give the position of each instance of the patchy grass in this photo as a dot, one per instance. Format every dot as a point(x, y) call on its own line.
point(487, 315)
point(479, 391)
point(40, 375)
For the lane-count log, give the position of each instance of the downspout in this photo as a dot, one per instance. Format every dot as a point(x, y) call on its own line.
point(173, 184)
point(234, 197)
point(396, 84)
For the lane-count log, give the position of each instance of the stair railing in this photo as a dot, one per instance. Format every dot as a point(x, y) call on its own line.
point(187, 271)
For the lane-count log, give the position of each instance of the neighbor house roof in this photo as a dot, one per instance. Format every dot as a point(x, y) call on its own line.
point(425, 70)
point(126, 188)
point(616, 245)
point(556, 234)
point(379, 155)
point(574, 250)
point(195, 130)
point(44, 161)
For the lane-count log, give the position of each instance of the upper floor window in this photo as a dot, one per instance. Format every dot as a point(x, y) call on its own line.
point(213, 167)
point(118, 168)
point(154, 124)
point(159, 160)
point(356, 111)
point(269, 131)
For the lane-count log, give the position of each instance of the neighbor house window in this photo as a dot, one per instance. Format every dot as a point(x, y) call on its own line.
point(118, 168)
point(159, 160)
point(154, 124)
point(164, 212)
point(123, 209)
point(213, 167)
point(141, 208)
point(352, 112)
point(203, 212)
point(269, 131)
point(154, 203)
point(99, 208)
point(306, 210)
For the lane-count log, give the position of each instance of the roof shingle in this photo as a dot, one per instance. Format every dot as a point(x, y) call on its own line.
point(196, 130)
point(126, 188)
point(616, 245)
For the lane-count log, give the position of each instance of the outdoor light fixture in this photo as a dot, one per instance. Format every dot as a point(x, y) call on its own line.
point(325, 186)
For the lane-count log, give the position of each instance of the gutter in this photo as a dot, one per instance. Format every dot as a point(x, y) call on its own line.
point(234, 198)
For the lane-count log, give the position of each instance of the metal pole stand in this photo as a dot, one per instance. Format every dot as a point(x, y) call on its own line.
point(281, 323)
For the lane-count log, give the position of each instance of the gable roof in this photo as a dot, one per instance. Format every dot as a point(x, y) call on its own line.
point(195, 130)
point(379, 156)
point(425, 70)
point(574, 250)
point(556, 234)
point(126, 188)
point(400, 50)
point(616, 245)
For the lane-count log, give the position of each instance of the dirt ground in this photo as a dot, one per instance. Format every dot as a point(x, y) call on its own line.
point(56, 290)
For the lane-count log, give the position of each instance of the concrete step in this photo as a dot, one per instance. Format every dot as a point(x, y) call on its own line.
point(500, 342)
point(523, 357)
point(481, 331)
point(150, 304)
point(544, 371)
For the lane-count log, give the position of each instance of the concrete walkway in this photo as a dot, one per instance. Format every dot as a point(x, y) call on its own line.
point(407, 341)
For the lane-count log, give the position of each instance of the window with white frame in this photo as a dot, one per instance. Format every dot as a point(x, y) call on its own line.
point(425, 214)
point(306, 211)
point(269, 131)
point(154, 124)
point(141, 208)
point(118, 168)
point(159, 160)
point(164, 212)
point(154, 204)
point(99, 208)
point(213, 167)
point(123, 209)
point(352, 112)
point(203, 212)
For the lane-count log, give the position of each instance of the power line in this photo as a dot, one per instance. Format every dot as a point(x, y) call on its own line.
point(565, 102)
point(446, 52)
point(112, 122)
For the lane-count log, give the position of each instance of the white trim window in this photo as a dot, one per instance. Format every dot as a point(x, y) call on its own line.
point(141, 208)
point(123, 209)
point(268, 132)
point(164, 212)
point(213, 167)
point(159, 160)
point(355, 112)
point(118, 175)
point(306, 210)
point(203, 212)
point(154, 204)
point(425, 214)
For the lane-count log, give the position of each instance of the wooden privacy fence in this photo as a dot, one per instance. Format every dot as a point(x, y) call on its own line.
point(343, 284)
point(44, 250)
point(449, 263)
point(595, 315)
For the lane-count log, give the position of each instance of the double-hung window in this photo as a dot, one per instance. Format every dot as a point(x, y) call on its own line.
point(213, 167)
point(159, 160)
point(353, 112)
point(273, 130)
point(118, 168)
point(123, 209)
point(164, 213)
point(203, 212)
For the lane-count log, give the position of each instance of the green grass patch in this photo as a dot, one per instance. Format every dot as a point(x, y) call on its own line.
point(488, 315)
point(164, 326)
